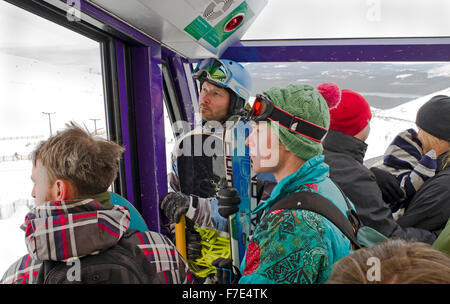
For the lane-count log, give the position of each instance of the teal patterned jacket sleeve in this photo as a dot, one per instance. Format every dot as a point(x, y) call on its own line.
point(288, 247)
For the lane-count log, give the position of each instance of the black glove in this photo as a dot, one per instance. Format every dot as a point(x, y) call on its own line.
point(226, 273)
point(228, 199)
point(193, 238)
point(388, 185)
point(175, 205)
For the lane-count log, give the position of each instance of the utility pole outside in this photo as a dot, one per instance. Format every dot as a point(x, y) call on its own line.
point(95, 124)
point(49, 120)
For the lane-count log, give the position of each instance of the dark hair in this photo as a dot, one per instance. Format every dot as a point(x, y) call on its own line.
point(90, 163)
point(401, 262)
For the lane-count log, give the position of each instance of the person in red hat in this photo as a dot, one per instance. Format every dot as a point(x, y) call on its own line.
point(344, 150)
point(351, 116)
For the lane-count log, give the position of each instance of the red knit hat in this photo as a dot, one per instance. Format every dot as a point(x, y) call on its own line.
point(351, 115)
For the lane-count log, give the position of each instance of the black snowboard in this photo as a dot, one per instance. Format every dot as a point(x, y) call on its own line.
point(201, 164)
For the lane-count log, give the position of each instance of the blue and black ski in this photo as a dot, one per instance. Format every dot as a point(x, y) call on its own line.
point(239, 174)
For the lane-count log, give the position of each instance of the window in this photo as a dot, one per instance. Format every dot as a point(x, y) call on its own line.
point(49, 76)
point(394, 90)
point(170, 140)
point(171, 113)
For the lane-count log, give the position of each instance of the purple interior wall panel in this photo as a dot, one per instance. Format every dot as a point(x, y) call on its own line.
point(176, 64)
point(149, 124)
point(148, 101)
point(322, 50)
point(122, 83)
point(158, 121)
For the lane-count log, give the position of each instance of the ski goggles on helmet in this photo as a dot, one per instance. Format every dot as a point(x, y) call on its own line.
point(263, 109)
point(212, 69)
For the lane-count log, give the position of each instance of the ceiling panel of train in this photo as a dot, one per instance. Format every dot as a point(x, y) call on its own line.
point(285, 19)
point(193, 28)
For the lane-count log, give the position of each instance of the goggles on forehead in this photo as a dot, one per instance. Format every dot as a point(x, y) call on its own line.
point(264, 109)
point(212, 69)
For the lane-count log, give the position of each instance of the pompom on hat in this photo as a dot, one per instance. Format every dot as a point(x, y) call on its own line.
point(331, 92)
point(351, 115)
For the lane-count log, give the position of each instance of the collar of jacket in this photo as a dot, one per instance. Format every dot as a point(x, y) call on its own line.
point(336, 141)
point(103, 198)
point(313, 171)
point(63, 230)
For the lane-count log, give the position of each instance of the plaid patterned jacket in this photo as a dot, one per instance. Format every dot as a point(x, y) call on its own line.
point(66, 230)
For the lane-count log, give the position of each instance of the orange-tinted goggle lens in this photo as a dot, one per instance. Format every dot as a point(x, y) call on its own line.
point(260, 108)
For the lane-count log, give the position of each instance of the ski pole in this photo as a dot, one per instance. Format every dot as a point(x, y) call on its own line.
point(180, 237)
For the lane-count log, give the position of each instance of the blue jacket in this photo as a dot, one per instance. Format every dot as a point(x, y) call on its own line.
point(296, 246)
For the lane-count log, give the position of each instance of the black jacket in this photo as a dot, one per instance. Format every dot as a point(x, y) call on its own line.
point(430, 207)
point(345, 154)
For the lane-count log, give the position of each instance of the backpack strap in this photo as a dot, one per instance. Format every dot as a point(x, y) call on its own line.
point(319, 204)
point(352, 216)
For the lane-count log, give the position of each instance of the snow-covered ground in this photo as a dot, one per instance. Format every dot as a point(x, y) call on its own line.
point(12, 239)
point(15, 184)
point(386, 124)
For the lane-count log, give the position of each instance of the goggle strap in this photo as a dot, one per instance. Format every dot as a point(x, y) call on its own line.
point(298, 125)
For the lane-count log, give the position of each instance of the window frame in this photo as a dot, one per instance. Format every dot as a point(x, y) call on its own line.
point(170, 95)
point(108, 63)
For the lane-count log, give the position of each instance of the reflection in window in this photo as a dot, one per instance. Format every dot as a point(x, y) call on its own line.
point(49, 76)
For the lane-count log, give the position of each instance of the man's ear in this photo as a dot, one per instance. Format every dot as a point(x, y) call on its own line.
point(63, 190)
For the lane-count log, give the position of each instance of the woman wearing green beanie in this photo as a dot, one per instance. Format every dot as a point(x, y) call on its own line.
point(292, 245)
